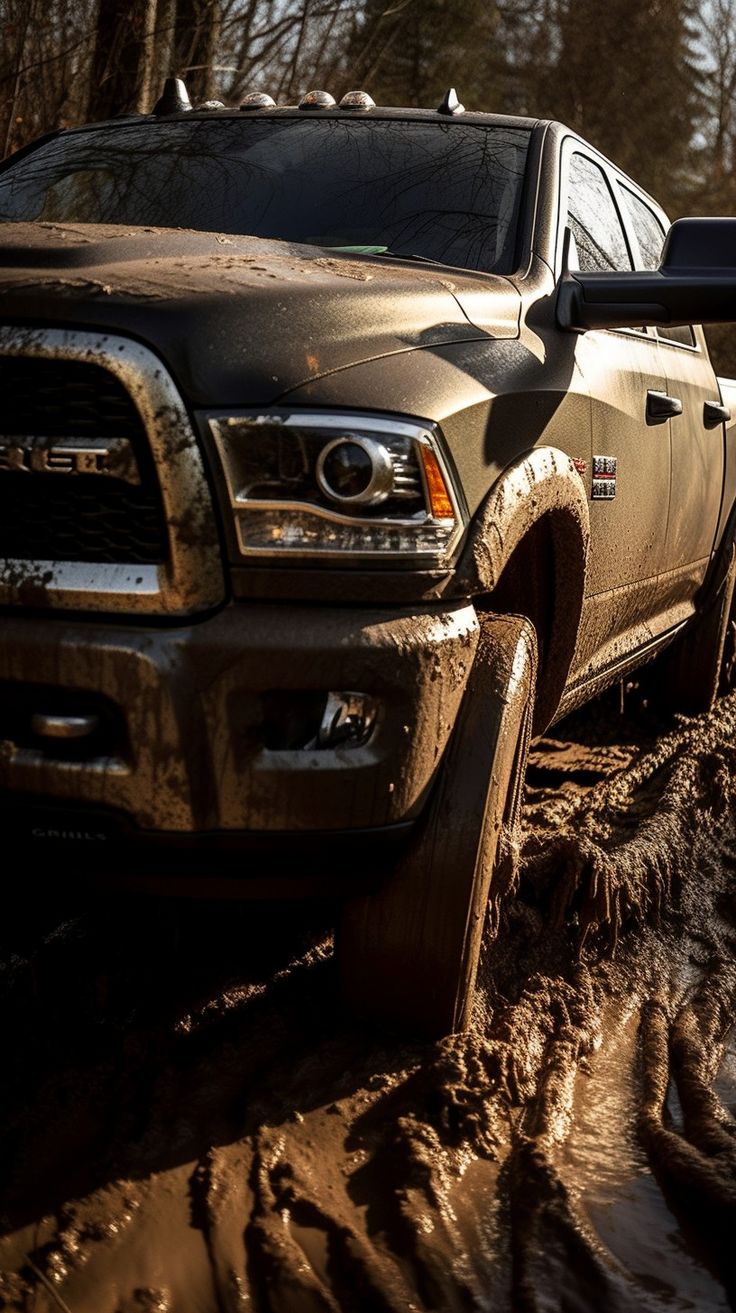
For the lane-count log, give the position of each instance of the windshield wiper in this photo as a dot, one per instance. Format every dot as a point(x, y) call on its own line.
point(385, 250)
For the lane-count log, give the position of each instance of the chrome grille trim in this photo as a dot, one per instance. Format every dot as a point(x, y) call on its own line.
point(192, 577)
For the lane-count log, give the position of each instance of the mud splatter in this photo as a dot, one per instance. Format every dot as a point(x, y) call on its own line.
point(185, 1124)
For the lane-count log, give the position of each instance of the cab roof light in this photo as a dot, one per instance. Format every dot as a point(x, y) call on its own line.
point(210, 104)
point(357, 100)
point(450, 103)
point(257, 100)
point(317, 100)
point(174, 98)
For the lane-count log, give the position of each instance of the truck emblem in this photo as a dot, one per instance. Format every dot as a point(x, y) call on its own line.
point(604, 478)
point(40, 455)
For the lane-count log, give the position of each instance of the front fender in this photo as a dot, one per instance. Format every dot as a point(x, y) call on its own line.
point(541, 489)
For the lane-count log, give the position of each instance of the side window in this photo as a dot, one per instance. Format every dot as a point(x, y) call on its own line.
point(649, 231)
point(594, 220)
point(650, 235)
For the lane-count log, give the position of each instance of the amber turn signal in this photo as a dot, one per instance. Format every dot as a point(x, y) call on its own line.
point(440, 501)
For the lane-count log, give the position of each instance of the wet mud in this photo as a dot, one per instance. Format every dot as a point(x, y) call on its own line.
point(186, 1126)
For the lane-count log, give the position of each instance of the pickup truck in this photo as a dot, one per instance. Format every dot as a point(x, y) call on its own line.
point(343, 449)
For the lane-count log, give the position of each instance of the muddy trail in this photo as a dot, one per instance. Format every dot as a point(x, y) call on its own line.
point(185, 1126)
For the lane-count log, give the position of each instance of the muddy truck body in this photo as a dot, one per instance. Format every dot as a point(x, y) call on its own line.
point(343, 449)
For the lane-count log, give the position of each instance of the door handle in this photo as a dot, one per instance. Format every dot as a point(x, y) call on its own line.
point(714, 414)
point(661, 407)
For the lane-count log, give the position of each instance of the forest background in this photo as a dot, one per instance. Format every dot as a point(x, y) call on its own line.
point(651, 83)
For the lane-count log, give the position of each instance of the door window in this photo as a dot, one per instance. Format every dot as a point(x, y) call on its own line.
point(598, 236)
point(650, 233)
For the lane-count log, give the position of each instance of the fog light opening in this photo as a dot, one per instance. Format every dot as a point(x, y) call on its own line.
point(348, 720)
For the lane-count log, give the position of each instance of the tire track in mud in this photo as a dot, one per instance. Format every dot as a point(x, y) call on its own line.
point(186, 1127)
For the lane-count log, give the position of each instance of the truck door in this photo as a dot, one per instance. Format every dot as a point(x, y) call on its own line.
point(696, 434)
point(629, 486)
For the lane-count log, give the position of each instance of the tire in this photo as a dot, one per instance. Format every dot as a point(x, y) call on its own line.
point(699, 665)
point(408, 953)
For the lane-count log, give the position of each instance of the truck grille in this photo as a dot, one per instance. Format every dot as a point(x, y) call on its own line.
point(105, 505)
point(50, 517)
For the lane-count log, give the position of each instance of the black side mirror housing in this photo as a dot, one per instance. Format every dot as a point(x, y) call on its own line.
point(695, 284)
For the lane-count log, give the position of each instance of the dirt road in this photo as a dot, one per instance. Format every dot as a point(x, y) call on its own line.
point(185, 1128)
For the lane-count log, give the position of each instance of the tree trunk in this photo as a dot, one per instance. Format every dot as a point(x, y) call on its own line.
point(196, 37)
point(122, 63)
point(16, 83)
point(164, 62)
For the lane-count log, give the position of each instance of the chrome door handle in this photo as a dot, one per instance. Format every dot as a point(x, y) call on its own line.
point(715, 414)
point(660, 407)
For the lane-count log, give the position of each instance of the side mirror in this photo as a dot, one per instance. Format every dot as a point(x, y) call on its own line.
point(695, 284)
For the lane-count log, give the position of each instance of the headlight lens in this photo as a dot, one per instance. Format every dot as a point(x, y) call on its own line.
point(353, 486)
point(355, 471)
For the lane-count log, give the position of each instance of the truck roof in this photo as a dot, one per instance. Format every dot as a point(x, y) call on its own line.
point(293, 111)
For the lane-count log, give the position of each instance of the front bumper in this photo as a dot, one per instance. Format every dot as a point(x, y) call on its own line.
point(188, 745)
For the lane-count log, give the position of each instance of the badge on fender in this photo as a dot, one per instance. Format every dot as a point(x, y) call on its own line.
point(604, 478)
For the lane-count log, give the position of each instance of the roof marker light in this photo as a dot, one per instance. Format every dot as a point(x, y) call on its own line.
point(357, 100)
point(258, 100)
point(174, 98)
point(317, 100)
point(450, 103)
point(210, 104)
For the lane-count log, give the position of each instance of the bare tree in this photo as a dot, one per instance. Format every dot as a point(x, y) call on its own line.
point(122, 63)
point(284, 46)
point(196, 42)
point(44, 65)
point(718, 138)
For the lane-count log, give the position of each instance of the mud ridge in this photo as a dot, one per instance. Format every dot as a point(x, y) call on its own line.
point(217, 1139)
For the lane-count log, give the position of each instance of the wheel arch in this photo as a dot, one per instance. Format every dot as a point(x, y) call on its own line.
point(527, 554)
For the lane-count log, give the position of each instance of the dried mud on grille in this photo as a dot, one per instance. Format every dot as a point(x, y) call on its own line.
point(185, 1126)
point(82, 517)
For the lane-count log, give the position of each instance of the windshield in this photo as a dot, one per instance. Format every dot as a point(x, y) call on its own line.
point(442, 191)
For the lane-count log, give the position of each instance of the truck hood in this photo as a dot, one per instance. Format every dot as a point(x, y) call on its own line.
point(242, 320)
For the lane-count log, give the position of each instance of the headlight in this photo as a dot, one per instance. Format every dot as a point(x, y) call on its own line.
point(355, 471)
point(347, 486)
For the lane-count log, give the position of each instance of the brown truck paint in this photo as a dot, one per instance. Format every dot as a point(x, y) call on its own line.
point(183, 654)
